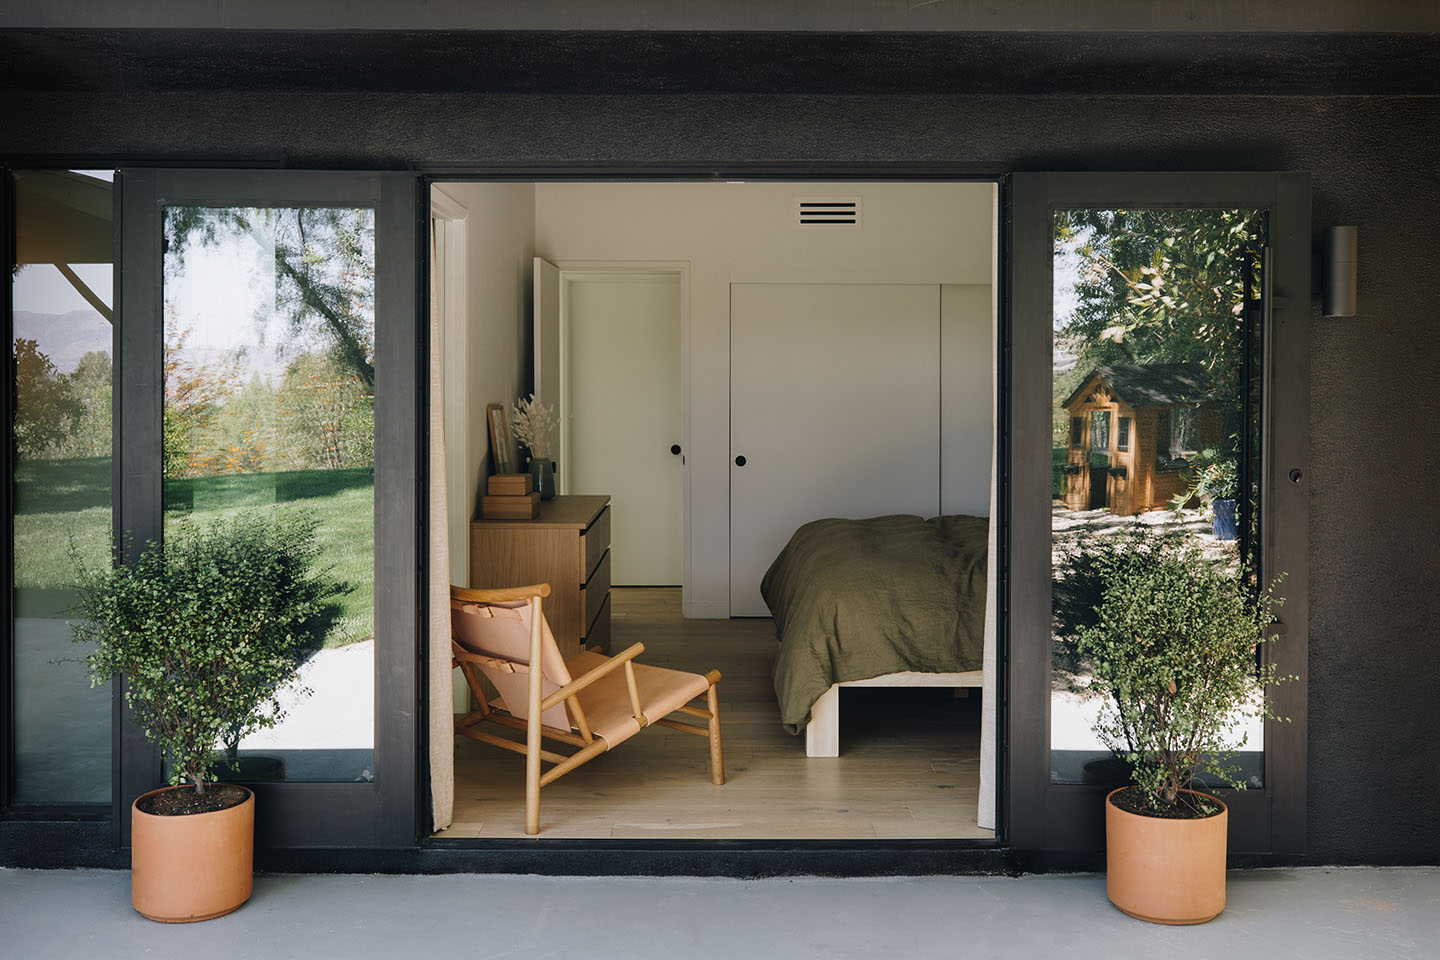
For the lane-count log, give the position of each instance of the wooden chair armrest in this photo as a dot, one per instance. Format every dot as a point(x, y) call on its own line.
point(590, 676)
point(501, 595)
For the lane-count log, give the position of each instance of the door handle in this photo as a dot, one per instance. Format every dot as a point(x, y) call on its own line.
point(675, 449)
point(740, 461)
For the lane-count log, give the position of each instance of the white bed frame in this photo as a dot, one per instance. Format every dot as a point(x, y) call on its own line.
point(822, 734)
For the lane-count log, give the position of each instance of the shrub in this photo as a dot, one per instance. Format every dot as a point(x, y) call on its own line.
point(206, 630)
point(1174, 648)
point(1212, 476)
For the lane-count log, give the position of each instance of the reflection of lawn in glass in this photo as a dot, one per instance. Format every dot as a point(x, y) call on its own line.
point(58, 501)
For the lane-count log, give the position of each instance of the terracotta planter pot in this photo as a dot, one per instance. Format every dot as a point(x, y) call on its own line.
point(1165, 871)
point(192, 867)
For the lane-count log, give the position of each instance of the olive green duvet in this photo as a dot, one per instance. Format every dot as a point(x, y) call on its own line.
point(855, 599)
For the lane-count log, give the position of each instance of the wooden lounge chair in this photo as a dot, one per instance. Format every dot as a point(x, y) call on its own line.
point(590, 701)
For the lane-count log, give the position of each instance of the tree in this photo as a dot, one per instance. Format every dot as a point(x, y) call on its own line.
point(1159, 286)
point(324, 268)
point(46, 407)
point(92, 383)
point(193, 397)
point(327, 413)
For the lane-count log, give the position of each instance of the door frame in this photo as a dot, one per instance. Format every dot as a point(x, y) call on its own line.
point(377, 814)
point(571, 270)
point(1067, 819)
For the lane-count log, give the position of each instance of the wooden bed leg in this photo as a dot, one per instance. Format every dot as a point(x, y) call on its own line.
point(822, 733)
point(717, 757)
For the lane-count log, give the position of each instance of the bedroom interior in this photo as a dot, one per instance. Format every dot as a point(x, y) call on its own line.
point(727, 371)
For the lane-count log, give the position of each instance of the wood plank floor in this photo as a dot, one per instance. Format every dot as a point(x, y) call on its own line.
point(908, 764)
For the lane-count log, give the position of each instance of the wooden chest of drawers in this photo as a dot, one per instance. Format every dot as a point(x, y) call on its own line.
point(566, 546)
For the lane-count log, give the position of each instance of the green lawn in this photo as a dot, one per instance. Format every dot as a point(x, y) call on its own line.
point(63, 501)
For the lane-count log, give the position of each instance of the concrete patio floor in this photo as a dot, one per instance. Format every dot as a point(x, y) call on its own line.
point(1355, 912)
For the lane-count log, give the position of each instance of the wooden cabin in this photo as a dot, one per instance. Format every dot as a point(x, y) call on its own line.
point(1133, 430)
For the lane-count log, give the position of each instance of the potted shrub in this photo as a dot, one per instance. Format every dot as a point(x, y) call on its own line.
point(1173, 647)
point(204, 631)
point(1214, 481)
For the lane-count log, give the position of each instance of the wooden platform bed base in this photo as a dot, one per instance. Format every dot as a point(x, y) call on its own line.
point(822, 734)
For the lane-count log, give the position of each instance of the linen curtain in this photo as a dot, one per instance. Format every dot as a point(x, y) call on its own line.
point(442, 696)
point(985, 812)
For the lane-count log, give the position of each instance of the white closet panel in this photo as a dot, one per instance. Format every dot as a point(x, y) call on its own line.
point(834, 409)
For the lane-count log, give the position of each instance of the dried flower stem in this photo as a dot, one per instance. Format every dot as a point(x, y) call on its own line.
point(533, 424)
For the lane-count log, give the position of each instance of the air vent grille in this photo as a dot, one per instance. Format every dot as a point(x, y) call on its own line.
point(827, 213)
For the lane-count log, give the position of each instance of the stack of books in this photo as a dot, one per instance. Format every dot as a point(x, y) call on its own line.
point(509, 497)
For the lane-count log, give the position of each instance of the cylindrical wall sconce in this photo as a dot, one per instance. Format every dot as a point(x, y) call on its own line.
point(1338, 262)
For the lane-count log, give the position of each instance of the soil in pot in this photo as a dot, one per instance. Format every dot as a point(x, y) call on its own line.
point(185, 802)
point(1188, 805)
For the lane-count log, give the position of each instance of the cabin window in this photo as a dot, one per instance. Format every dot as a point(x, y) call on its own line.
point(1099, 429)
point(1077, 432)
point(1176, 434)
point(1122, 440)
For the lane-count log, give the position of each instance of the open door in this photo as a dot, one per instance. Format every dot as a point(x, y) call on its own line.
point(547, 387)
point(1218, 382)
point(267, 360)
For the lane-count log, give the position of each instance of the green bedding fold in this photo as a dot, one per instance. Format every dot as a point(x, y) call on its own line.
point(855, 599)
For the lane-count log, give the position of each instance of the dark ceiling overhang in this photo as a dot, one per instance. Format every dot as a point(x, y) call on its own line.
point(619, 62)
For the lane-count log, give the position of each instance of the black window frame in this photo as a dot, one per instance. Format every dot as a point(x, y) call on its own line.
point(379, 814)
point(1052, 822)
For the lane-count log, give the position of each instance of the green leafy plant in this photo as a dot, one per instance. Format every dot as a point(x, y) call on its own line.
point(1173, 646)
point(1213, 476)
point(207, 630)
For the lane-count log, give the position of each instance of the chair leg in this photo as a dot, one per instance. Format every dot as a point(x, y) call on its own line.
point(717, 757)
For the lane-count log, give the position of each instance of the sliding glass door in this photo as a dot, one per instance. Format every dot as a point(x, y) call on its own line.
point(1158, 387)
point(268, 365)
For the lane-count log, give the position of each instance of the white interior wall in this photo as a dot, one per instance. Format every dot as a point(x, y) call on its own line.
point(742, 232)
point(500, 244)
point(966, 395)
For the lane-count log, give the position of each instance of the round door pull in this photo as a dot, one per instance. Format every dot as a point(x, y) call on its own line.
point(675, 449)
point(739, 461)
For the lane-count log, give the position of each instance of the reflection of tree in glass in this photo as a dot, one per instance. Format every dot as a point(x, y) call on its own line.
point(46, 405)
point(1158, 286)
point(1161, 286)
point(329, 418)
point(193, 397)
point(324, 268)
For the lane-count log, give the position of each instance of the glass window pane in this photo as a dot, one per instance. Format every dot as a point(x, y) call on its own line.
point(1100, 430)
point(61, 361)
point(1151, 323)
point(269, 405)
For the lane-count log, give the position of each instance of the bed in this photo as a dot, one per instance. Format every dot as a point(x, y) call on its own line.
point(888, 601)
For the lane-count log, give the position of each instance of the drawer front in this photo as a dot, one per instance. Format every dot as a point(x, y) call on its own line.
point(594, 593)
point(598, 633)
point(593, 544)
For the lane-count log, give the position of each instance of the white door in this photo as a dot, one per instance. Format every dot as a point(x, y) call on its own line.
point(834, 412)
point(623, 350)
point(545, 307)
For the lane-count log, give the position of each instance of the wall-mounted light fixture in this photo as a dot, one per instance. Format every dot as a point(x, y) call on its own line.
point(1337, 265)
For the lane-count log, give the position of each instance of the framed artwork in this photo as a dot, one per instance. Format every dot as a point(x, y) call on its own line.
point(499, 437)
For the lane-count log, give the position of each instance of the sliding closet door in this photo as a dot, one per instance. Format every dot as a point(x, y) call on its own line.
point(834, 412)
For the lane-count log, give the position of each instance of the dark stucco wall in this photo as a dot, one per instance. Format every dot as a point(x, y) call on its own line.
point(1375, 379)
